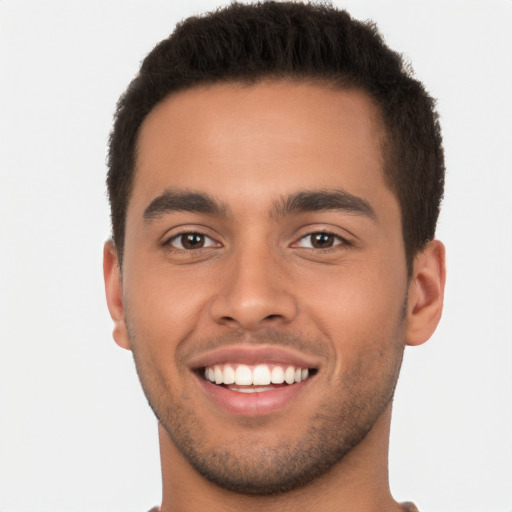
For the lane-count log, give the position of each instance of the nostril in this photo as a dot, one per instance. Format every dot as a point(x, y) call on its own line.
point(252, 309)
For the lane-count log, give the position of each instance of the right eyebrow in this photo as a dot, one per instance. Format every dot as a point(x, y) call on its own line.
point(183, 201)
point(322, 200)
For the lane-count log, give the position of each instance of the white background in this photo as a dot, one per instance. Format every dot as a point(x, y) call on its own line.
point(75, 431)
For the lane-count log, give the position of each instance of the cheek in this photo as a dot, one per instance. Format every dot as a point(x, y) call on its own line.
point(163, 309)
point(358, 313)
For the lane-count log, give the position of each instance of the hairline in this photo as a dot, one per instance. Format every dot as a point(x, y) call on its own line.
point(339, 83)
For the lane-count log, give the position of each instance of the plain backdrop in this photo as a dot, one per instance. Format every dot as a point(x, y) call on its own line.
point(75, 431)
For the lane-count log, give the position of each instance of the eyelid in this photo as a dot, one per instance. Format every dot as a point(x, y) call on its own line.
point(345, 238)
point(211, 243)
point(340, 240)
point(173, 235)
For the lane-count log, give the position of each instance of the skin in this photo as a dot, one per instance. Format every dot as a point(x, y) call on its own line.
point(258, 281)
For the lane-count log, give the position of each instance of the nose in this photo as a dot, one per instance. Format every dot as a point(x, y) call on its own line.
point(254, 292)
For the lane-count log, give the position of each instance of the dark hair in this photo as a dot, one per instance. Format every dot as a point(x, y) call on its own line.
point(305, 42)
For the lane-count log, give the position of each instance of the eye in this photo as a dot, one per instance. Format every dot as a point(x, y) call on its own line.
point(321, 240)
point(191, 241)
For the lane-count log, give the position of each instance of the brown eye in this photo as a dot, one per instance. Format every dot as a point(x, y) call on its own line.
point(320, 240)
point(191, 241)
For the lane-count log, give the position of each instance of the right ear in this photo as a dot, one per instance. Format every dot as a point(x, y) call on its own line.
point(114, 293)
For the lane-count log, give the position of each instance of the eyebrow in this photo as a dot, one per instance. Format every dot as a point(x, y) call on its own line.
point(315, 201)
point(306, 201)
point(183, 201)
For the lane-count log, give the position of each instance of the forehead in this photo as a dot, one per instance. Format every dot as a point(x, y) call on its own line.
point(252, 143)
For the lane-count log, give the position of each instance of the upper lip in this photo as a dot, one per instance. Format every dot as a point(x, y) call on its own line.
point(254, 354)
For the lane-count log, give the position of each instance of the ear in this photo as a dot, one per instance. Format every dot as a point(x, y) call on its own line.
point(114, 293)
point(426, 293)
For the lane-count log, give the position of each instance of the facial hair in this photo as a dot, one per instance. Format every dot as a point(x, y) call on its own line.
point(250, 465)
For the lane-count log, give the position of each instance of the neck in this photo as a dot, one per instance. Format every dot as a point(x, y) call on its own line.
point(358, 483)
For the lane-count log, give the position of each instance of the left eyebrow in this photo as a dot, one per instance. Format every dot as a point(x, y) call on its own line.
point(183, 201)
point(323, 200)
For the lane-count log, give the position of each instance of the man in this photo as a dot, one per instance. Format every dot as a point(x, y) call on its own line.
point(275, 176)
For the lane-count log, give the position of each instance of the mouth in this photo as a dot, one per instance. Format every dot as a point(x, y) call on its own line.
point(260, 378)
point(254, 380)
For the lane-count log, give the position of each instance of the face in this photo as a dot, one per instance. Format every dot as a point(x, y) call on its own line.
point(264, 282)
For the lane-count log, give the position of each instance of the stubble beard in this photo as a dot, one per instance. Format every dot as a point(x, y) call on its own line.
point(248, 465)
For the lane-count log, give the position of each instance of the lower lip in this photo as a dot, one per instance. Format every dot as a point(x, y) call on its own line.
point(253, 404)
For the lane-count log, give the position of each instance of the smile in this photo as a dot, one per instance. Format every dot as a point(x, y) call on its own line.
point(254, 380)
point(257, 378)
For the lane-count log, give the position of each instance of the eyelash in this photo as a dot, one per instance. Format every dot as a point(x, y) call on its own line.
point(180, 236)
point(337, 241)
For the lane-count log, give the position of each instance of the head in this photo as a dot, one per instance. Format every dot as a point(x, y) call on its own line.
point(275, 177)
point(303, 43)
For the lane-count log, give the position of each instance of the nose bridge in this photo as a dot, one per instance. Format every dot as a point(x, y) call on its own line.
point(254, 290)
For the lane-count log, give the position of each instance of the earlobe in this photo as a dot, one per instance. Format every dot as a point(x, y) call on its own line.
point(114, 294)
point(426, 293)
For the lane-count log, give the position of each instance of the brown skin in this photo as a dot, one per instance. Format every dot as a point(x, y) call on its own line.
point(349, 307)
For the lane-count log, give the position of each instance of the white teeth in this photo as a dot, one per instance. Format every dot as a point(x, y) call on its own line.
point(243, 375)
point(251, 390)
point(289, 375)
point(229, 375)
point(259, 375)
point(219, 378)
point(277, 376)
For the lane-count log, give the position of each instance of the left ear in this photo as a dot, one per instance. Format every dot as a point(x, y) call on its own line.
point(426, 293)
